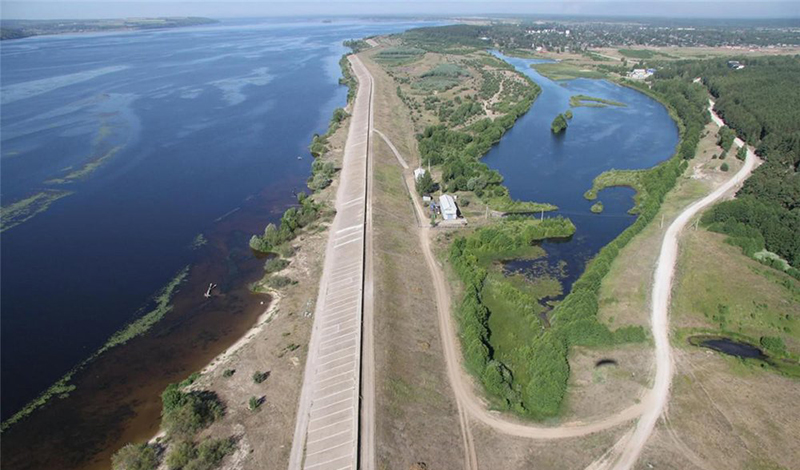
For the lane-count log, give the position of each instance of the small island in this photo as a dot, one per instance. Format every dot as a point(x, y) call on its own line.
point(591, 102)
point(597, 207)
point(559, 124)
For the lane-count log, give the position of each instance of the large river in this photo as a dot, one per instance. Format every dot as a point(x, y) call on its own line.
point(192, 131)
point(539, 166)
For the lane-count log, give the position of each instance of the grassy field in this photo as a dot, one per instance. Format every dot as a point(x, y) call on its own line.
point(733, 294)
point(566, 71)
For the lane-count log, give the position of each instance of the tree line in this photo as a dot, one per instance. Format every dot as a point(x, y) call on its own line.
point(761, 104)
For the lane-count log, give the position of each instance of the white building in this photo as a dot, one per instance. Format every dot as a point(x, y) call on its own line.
point(418, 173)
point(448, 207)
point(640, 74)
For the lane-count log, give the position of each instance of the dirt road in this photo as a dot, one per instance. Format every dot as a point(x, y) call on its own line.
point(625, 453)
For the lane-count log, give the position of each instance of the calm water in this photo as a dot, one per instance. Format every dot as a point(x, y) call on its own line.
point(197, 123)
point(538, 166)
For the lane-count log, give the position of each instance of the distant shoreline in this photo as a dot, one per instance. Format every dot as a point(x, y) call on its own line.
point(20, 29)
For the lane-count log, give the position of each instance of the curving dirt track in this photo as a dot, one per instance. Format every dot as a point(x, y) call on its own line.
point(628, 449)
point(625, 452)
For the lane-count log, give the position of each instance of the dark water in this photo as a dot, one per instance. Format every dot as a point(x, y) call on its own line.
point(729, 347)
point(539, 166)
point(205, 121)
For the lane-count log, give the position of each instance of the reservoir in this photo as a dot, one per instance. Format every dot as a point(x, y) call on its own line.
point(539, 166)
point(142, 142)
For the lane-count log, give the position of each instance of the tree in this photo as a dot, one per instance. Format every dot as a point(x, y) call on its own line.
point(425, 184)
point(135, 457)
point(254, 403)
point(559, 124)
point(724, 167)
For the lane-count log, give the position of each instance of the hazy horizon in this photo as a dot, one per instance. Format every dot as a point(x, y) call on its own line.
point(66, 9)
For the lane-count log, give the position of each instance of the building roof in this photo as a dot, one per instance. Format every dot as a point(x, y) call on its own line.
point(448, 203)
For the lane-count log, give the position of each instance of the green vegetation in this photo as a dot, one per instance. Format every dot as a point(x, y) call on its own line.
point(559, 124)
point(741, 154)
point(641, 53)
point(541, 358)
point(726, 137)
point(319, 143)
point(425, 184)
point(292, 221)
point(440, 78)
point(724, 166)
point(347, 79)
point(183, 414)
point(451, 39)
point(135, 457)
point(399, 55)
point(279, 282)
point(565, 71)
point(597, 207)
point(568, 114)
point(254, 403)
point(761, 103)
point(259, 377)
point(228, 373)
point(186, 413)
point(275, 264)
point(592, 102)
point(321, 175)
point(758, 305)
point(459, 153)
point(23, 210)
point(356, 45)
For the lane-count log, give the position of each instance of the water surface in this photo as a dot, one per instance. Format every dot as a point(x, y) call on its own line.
point(193, 130)
point(539, 166)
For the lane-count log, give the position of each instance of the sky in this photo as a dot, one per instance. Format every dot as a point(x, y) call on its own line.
point(63, 9)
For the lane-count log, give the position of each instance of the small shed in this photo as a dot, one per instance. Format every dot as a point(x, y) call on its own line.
point(418, 173)
point(449, 208)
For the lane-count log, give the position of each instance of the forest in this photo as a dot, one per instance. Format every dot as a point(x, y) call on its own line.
point(761, 104)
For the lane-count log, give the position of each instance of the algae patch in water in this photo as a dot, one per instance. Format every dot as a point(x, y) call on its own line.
point(23, 210)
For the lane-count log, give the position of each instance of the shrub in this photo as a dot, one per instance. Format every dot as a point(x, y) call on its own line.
point(724, 167)
point(254, 403)
point(259, 376)
point(228, 373)
point(180, 454)
point(205, 456)
point(185, 413)
point(275, 264)
point(135, 457)
point(278, 282)
point(773, 344)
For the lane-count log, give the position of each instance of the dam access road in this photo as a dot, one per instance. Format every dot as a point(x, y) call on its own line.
point(328, 431)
